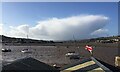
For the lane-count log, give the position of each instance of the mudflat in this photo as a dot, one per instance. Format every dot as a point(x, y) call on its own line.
point(56, 54)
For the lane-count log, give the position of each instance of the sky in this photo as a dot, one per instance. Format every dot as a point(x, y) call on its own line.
point(59, 20)
point(60, 0)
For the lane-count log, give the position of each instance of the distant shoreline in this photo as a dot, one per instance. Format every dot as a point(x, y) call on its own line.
point(62, 44)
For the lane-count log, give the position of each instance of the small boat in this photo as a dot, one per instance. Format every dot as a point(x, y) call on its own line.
point(26, 51)
point(69, 54)
point(6, 50)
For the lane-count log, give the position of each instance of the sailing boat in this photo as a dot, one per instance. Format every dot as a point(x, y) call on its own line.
point(73, 54)
point(26, 50)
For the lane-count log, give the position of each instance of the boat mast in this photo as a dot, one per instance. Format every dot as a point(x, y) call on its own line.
point(74, 40)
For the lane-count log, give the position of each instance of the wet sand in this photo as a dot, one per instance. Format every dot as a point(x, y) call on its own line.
point(56, 54)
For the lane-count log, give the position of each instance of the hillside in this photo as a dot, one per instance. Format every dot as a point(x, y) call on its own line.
point(6, 39)
point(111, 39)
